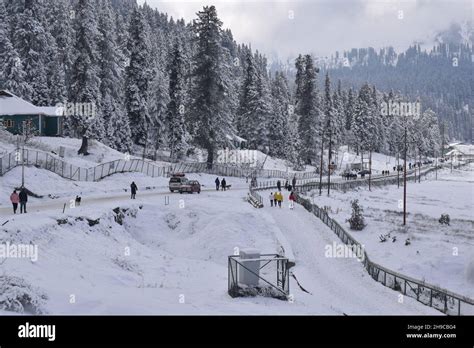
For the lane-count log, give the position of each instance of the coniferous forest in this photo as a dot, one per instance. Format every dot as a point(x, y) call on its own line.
point(159, 82)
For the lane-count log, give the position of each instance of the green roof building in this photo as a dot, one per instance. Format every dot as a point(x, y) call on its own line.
point(16, 113)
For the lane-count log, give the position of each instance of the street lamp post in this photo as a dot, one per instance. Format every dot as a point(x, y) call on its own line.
point(398, 168)
point(329, 161)
point(405, 182)
point(321, 164)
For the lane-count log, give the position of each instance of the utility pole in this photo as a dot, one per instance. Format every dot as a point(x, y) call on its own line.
point(321, 165)
point(370, 167)
point(414, 165)
point(419, 167)
point(329, 161)
point(22, 157)
point(22, 166)
point(398, 167)
point(405, 182)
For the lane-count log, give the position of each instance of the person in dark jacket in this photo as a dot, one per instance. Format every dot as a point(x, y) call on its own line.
point(286, 185)
point(23, 200)
point(223, 184)
point(218, 183)
point(279, 185)
point(294, 182)
point(133, 189)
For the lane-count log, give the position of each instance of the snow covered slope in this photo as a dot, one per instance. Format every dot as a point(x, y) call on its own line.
point(438, 254)
point(172, 259)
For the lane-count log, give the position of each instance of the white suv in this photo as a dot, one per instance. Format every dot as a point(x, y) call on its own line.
point(176, 181)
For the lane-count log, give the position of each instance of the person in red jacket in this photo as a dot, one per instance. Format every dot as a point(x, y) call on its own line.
point(292, 200)
point(15, 199)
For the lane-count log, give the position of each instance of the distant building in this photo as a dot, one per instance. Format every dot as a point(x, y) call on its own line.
point(16, 112)
point(357, 166)
point(460, 151)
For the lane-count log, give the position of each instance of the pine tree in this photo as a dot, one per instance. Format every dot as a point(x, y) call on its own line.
point(211, 119)
point(31, 42)
point(177, 136)
point(329, 126)
point(307, 107)
point(139, 75)
point(338, 117)
point(117, 127)
point(356, 220)
point(254, 111)
point(279, 140)
point(85, 80)
point(12, 76)
point(363, 124)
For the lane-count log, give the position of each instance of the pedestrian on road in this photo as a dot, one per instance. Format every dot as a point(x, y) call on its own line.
point(217, 183)
point(223, 184)
point(133, 189)
point(279, 198)
point(286, 184)
point(15, 199)
point(23, 200)
point(292, 199)
point(294, 182)
point(275, 199)
point(271, 199)
point(279, 185)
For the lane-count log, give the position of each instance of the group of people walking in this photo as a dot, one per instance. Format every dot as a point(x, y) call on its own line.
point(21, 198)
point(276, 199)
point(222, 184)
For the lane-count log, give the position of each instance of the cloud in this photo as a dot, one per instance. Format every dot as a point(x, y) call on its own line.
point(324, 26)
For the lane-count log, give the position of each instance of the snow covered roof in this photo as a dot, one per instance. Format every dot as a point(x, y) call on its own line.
point(10, 104)
point(454, 152)
point(51, 110)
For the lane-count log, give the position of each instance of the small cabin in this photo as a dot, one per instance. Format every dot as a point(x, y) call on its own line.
point(358, 166)
point(16, 112)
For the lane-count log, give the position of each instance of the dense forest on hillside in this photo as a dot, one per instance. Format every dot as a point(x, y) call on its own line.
point(161, 83)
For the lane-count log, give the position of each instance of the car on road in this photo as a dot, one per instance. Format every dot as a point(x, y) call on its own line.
point(364, 172)
point(349, 175)
point(176, 181)
point(190, 186)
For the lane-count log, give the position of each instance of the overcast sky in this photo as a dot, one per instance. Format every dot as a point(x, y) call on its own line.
point(324, 26)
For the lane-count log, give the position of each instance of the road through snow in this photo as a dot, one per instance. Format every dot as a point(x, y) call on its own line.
point(341, 283)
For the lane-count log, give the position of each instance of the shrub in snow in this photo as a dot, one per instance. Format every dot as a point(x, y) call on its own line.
point(17, 295)
point(444, 219)
point(357, 219)
point(470, 271)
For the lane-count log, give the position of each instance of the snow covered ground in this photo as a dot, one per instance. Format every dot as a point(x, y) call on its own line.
point(53, 190)
point(177, 260)
point(172, 259)
point(438, 254)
